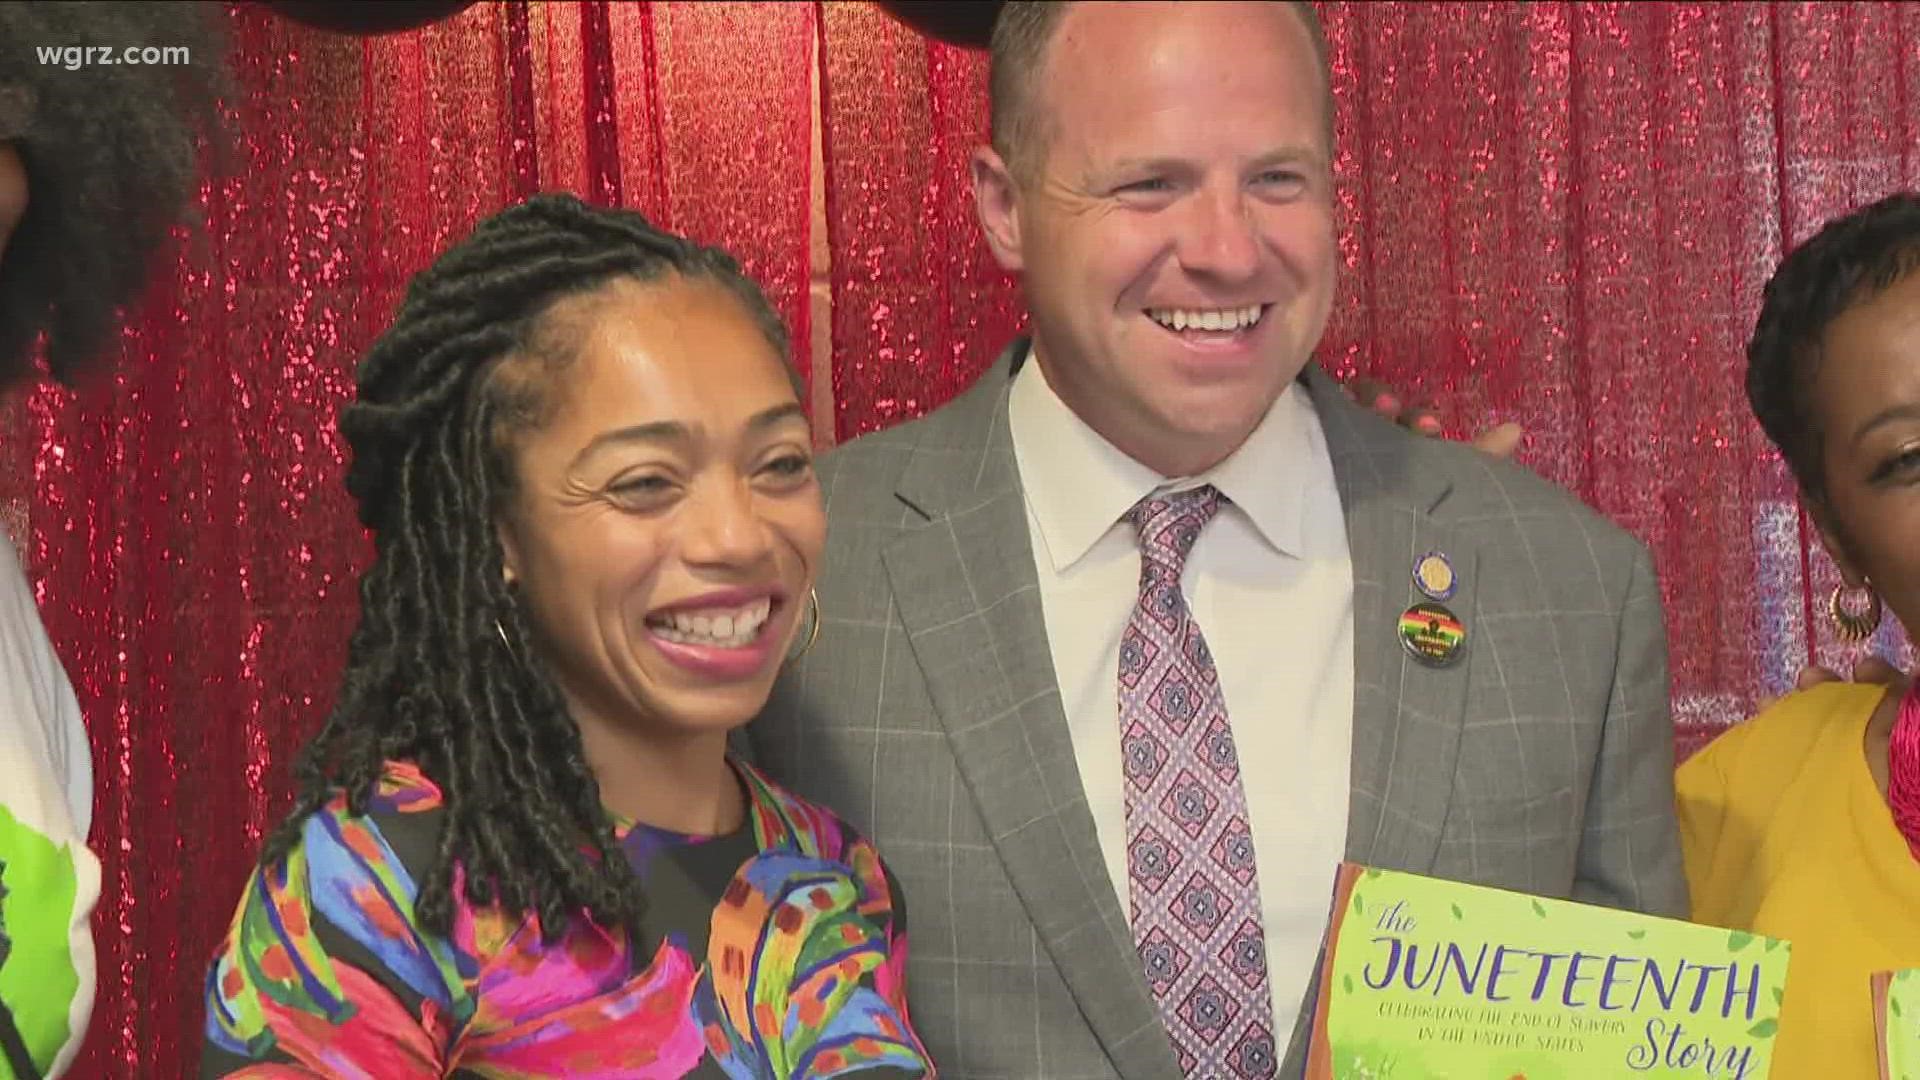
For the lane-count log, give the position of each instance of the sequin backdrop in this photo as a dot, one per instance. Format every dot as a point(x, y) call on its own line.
point(1559, 214)
point(193, 546)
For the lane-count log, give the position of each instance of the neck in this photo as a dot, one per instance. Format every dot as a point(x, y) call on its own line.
point(1172, 455)
point(677, 782)
point(1175, 462)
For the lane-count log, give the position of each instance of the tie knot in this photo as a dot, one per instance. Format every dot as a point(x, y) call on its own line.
point(1168, 525)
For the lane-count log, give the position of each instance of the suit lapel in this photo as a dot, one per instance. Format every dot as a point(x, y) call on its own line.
point(968, 596)
point(1406, 716)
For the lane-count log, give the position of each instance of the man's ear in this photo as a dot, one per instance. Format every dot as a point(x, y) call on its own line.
point(996, 198)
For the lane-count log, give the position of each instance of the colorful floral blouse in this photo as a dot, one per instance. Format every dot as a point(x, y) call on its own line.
point(777, 951)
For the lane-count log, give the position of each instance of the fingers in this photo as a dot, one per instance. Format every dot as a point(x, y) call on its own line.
point(1878, 671)
point(1387, 402)
point(1813, 675)
point(1378, 396)
point(1500, 441)
point(1873, 670)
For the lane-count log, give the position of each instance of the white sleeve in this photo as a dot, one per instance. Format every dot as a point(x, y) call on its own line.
point(51, 881)
point(37, 707)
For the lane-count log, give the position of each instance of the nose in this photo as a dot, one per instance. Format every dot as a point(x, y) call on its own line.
point(723, 527)
point(1219, 239)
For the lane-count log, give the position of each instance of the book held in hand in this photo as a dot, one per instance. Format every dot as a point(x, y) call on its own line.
point(1443, 981)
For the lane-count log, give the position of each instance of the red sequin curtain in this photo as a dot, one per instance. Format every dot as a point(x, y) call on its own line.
point(1554, 213)
point(194, 549)
point(919, 306)
point(1560, 214)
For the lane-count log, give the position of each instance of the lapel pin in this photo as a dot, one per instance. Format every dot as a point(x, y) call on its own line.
point(1432, 634)
point(1433, 576)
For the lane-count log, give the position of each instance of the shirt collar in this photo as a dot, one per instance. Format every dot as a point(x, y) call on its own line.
point(1078, 485)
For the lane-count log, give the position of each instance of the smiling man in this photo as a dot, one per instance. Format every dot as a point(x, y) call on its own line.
point(1124, 650)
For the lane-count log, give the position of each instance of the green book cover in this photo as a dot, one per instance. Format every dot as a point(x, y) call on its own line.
point(1896, 1017)
point(1426, 979)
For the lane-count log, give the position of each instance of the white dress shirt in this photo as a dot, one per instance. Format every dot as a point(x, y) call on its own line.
point(1270, 583)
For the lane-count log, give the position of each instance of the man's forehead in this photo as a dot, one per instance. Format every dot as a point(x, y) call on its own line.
point(1113, 21)
point(1158, 39)
point(1077, 85)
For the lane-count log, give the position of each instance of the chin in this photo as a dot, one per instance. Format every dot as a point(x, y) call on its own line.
point(1214, 414)
point(710, 709)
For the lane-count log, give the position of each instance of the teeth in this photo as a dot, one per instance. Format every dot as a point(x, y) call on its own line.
point(1206, 318)
point(737, 641)
point(725, 628)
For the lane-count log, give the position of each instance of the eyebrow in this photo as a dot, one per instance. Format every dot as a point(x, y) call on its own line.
point(676, 431)
point(1289, 155)
point(1909, 411)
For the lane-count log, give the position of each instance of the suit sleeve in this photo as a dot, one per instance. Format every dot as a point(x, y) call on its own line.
point(1630, 842)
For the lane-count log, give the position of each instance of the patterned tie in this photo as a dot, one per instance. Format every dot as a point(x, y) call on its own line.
point(1194, 895)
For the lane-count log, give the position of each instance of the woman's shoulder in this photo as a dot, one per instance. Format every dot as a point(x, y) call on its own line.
point(347, 856)
point(815, 902)
point(1802, 728)
point(399, 787)
point(330, 928)
point(784, 819)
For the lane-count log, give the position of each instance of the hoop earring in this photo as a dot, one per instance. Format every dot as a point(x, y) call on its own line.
point(1854, 627)
point(813, 626)
point(506, 642)
point(501, 629)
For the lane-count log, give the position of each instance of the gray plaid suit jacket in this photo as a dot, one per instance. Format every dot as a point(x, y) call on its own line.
point(929, 716)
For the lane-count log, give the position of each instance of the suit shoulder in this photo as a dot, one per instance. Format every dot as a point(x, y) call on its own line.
point(885, 443)
point(873, 458)
point(1488, 486)
point(1504, 500)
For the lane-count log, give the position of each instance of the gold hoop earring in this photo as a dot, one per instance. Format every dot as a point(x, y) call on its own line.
point(500, 628)
point(1854, 626)
point(813, 626)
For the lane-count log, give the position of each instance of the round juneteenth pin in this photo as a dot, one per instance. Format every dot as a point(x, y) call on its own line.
point(1432, 634)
